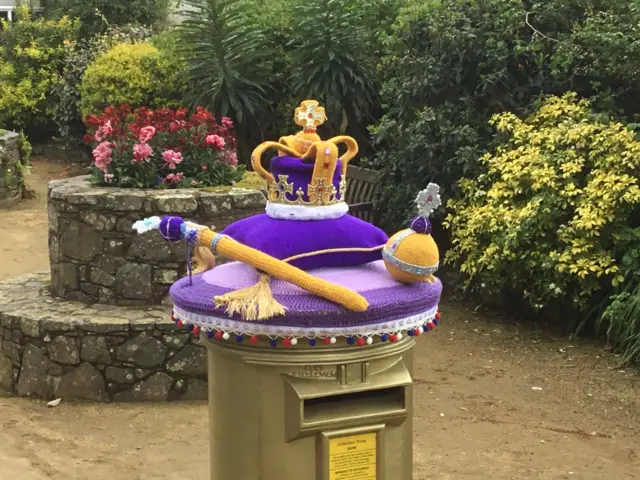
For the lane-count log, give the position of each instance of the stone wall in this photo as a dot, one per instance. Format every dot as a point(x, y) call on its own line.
point(95, 255)
point(10, 181)
point(77, 155)
point(52, 348)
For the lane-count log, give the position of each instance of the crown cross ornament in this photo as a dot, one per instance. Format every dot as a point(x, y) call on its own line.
point(310, 115)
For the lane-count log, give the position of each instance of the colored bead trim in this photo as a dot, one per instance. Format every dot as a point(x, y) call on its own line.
point(292, 340)
point(210, 322)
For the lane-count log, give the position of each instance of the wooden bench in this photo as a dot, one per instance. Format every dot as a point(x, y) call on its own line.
point(362, 185)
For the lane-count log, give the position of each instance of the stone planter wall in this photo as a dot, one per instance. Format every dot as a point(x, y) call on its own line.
point(51, 348)
point(95, 255)
point(10, 182)
point(78, 155)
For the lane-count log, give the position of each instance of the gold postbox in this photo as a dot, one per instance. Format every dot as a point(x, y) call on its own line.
point(311, 413)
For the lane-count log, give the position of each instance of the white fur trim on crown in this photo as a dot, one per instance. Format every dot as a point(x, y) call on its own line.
point(302, 212)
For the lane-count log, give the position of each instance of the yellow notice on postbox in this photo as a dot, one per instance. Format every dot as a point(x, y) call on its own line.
point(353, 458)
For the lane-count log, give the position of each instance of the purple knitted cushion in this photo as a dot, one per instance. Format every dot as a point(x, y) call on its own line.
point(388, 299)
point(286, 238)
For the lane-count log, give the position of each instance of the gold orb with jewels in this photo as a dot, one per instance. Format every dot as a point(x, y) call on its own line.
point(411, 257)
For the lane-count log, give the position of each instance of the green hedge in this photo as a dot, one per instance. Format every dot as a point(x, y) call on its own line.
point(97, 16)
point(136, 74)
point(450, 65)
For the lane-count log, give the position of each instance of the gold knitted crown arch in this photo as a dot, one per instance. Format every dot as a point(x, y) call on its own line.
point(309, 148)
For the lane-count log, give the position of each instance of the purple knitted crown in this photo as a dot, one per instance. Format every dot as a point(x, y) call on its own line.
point(299, 175)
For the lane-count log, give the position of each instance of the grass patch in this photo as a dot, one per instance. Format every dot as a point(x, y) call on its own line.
point(251, 180)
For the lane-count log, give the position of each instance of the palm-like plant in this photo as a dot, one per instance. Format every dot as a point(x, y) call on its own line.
point(227, 60)
point(331, 62)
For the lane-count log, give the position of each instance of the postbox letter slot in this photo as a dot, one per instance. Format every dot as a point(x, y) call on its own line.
point(380, 402)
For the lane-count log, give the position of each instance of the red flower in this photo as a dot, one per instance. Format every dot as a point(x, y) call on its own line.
point(186, 140)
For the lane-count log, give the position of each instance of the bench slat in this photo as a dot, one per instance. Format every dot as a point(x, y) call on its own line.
point(362, 185)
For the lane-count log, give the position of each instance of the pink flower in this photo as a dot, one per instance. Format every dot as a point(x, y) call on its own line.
point(108, 177)
point(172, 158)
point(215, 141)
point(141, 152)
point(230, 158)
point(174, 177)
point(102, 155)
point(147, 133)
point(104, 131)
point(204, 168)
point(194, 183)
point(226, 122)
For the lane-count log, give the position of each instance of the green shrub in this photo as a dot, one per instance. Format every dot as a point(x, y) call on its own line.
point(78, 56)
point(31, 58)
point(622, 314)
point(545, 215)
point(228, 64)
point(97, 16)
point(136, 74)
point(450, 65)
point(331, 61)
point(24, 165)
point(169, 83)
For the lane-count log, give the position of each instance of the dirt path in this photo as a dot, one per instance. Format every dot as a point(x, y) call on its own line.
point(478, 415)
point(23, 243)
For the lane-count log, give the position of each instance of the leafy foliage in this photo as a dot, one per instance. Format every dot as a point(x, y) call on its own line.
point(600, 55)
point(227, 61)
point(545, 215)
point(168, 82)
point(450, 65)
point(79, 55)
point(622, 314)
point(131, 73)
point(31, 58)
point(24, 162)
point(331, 61)
point(97, 16)
point(162, 148)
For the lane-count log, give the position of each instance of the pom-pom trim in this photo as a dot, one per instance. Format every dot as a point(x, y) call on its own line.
point(289, 341)
point(236, 327)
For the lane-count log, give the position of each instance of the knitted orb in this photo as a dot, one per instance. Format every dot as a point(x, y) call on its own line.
point(411, 257)
point(171, 228)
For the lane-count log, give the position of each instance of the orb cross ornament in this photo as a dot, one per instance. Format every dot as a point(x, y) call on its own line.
point(428, 200)
point(310, 115)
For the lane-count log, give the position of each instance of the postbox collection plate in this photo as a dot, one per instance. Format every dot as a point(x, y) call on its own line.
point(352, 454)
point(354, 457)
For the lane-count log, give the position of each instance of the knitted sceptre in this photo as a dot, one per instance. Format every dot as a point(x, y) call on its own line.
point(257, 302)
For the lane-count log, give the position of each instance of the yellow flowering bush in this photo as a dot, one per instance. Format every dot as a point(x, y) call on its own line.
point(31, 56)
point(136, 74)
point(545, 215)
